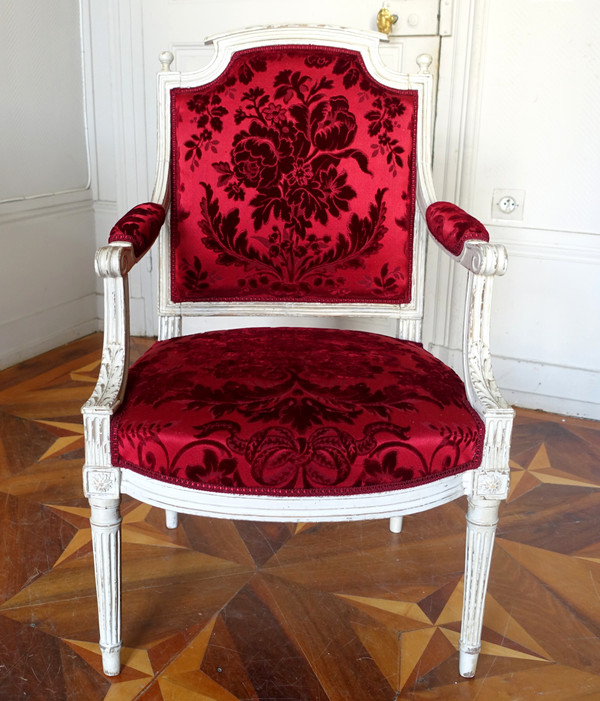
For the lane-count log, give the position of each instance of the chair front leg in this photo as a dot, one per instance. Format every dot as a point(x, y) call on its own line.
point(482, 517)
point(105, 523)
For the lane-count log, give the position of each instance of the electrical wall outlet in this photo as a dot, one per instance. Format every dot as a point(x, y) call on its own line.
point(508, 204)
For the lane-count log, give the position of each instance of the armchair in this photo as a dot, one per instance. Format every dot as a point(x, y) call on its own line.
point(295, 171)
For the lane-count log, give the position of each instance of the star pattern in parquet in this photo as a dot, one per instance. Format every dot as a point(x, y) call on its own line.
point(225, 611)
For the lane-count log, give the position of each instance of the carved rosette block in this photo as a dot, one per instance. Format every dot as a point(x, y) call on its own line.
point(105, 523)
point(101, 482)
point(492, 485)
point(482, 518)
point(492, 480)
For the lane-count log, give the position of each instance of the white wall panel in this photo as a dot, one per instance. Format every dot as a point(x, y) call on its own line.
point(43, 147)
point(550, 298)
point(47, 288)
point(46, 275)
point(531, 127)
point(539, 112)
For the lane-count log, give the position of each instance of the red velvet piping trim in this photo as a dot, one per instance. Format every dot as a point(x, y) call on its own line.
point(266, 491)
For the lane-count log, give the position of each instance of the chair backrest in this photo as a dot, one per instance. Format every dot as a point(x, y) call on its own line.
point(293, 164)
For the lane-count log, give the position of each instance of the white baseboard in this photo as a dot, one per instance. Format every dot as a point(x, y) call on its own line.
point(555, 388)
point(533, 385)
point(26, 337)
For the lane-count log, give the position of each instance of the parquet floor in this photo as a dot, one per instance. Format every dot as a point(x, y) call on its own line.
point(222, 611)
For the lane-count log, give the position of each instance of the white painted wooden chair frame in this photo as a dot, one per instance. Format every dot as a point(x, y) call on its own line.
point(485, 487)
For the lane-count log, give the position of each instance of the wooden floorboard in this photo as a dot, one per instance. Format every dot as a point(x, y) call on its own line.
point(331, 612)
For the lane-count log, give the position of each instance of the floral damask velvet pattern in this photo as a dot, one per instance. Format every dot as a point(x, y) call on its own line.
point(293, 178)
point(294, 411)
point(140, 227)
point(452, 226)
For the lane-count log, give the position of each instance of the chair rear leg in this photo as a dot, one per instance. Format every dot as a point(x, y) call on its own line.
point(105, 523)
point(482, 517)
point(171, 518)
point(396, 524)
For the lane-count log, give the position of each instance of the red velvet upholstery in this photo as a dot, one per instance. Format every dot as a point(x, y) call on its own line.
point(140, 227)
point(294, 411)
point(293, 178)
point(452, 226)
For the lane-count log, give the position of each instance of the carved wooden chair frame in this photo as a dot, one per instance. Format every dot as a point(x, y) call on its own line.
point(485, 486)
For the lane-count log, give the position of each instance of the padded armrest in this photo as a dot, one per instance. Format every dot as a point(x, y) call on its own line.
point(139, 227)
point(452, 227)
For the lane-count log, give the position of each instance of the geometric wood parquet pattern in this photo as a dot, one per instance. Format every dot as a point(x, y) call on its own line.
point(226, 611)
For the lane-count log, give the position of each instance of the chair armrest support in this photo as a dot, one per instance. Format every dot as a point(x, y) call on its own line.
point(129, 240)
point(113, 262)
point(484, 261)
point(466, 240)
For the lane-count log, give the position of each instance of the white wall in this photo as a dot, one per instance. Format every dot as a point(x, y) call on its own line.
point(47, 290)
point(535, 100)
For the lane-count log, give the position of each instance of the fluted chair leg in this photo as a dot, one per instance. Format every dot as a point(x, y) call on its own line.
point(105, 523)
point(482, 517)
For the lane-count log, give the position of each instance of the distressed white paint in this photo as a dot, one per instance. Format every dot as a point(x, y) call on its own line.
point(482, 517)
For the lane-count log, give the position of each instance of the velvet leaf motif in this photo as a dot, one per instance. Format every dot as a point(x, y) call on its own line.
point(293, 178)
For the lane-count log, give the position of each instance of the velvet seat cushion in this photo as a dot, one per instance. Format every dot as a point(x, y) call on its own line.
point(294, 411)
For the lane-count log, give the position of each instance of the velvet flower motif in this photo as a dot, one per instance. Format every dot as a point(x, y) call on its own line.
point(259, 155)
